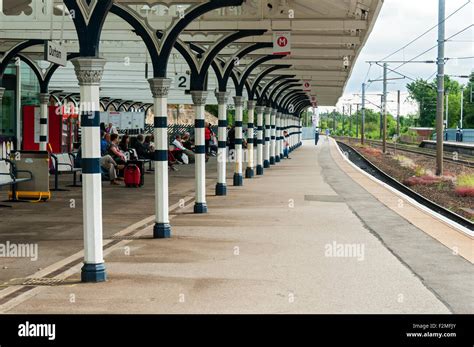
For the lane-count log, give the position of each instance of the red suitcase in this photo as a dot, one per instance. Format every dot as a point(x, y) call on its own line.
point(132, 176)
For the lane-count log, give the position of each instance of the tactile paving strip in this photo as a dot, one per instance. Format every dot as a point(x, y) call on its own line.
point(34, 282)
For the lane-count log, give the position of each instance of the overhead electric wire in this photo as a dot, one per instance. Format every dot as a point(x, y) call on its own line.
point(427, 31)
point(429, 49)
point(431, 76)
point(414, 40)
point(368, 72)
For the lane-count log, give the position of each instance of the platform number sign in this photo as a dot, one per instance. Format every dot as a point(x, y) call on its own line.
point(182, 81)
point(281, 43)
point(307, 85)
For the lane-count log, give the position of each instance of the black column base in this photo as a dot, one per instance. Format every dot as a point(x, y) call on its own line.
point(249, 172)
point(266, 164)
point(277, 159)
point(200, 207)
point(93, 273)
point(238, 180)
point(221, 189)
point(161, 231)
point(281, 156)
point(259, 170)
point(272, 160)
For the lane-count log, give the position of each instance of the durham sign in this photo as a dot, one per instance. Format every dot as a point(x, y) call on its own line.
point(55, 53)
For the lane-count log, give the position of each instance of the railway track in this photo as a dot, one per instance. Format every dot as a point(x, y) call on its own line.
point(459, 160)
point(363, 163)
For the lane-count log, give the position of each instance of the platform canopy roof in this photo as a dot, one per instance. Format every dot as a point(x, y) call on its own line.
point(326, 39)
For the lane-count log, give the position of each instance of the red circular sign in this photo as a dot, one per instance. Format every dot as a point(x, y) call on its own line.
point(282, 41)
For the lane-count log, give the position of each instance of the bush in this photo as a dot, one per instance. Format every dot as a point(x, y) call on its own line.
point(420, 171)
point(465, 181)
point(465, 185)
point(371, 151)
point(465, 191)
point(422, 180)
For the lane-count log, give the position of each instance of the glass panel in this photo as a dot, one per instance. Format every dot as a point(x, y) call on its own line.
point(7, 120)
point(29, 86)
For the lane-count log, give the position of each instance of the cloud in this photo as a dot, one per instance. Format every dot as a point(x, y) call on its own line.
point(398, 23)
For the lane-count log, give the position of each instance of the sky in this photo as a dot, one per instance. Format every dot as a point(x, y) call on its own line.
point(399, 22)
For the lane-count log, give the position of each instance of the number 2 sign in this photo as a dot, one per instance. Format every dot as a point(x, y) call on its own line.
point(182, 81)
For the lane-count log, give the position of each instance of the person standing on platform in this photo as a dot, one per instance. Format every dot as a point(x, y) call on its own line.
point(111, 129)
point(286, 145)
point(316, 137)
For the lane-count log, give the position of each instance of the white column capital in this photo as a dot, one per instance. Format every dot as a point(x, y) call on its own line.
point(239, 101)
point(222, 97)
point(268, 110)
point(89, 70)
point(199, 97)
point(159, 86)
point(251, 104)
point(260, 109)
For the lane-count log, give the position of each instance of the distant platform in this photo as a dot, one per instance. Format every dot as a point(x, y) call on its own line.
point(461, 147)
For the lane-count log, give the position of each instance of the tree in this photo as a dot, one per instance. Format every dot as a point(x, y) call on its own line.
point(469, 103)
point(424, 93)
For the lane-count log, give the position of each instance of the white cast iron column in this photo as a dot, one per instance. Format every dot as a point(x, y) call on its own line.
point(249, 172)
point(199, 100)
point(160, 89)
point(44, 103)
point(239, 104)
point(266, 145)
point(89, 74)
point(221, 186)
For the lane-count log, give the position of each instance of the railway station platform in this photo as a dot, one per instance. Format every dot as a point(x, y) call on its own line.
point(307, 237)
point(451, 146)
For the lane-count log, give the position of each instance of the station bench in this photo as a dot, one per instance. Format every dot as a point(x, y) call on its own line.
point(147, 161)
point(63, 163)
point(9, 177)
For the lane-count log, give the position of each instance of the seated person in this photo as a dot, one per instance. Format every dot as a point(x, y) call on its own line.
point(108, 164)
point(148, 143)
point(124, 146)
point(142, 151)
point(114, 150)
point(172, 161)
point(104, 143)
point(124, 143)
point(178, 149)
point(187, 142)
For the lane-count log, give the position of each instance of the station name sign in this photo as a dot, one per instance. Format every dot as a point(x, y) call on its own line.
point(55, 53)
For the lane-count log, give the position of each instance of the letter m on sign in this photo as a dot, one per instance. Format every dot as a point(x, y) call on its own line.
point(281, 43)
